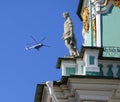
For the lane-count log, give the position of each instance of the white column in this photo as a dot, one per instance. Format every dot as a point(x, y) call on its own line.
point(98, 24)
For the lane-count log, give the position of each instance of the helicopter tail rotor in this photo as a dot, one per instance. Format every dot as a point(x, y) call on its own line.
point(46, 45)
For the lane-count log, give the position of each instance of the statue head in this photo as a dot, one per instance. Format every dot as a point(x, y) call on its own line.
point(65, 14)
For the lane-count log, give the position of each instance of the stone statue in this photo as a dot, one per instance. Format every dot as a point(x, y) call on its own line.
point(68, 36)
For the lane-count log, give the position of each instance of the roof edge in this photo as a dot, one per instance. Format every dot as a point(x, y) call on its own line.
point(63, 81)
point(60, 59)
point(79, 9)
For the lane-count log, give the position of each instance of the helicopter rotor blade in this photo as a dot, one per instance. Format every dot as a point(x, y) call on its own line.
point(34, 39)
point(42, 39)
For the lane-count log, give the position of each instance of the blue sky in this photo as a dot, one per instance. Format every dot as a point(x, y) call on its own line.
point(22, 70)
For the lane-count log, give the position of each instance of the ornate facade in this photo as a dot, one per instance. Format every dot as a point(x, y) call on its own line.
point(115, 2)
point(94, 75)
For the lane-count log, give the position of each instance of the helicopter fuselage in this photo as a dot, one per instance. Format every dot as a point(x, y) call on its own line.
point(37, 46)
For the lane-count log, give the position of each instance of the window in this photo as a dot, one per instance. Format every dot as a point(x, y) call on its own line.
point(70, 71)
point(92, 60)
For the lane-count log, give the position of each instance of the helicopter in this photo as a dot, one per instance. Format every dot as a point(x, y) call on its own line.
point(36, 46)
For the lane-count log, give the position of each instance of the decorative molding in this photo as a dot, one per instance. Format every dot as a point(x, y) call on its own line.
point(110, 51)
point(115, 2)
point(109, 70)
point(107, 2)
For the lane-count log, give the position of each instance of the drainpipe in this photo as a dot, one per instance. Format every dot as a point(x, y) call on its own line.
point(51, 90)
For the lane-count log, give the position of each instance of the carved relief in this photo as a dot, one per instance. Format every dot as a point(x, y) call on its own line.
point(115, 3)
point(85, 17)
point(94, 29)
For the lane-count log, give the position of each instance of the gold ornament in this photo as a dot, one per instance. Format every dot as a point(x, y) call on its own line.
point(115, 3)
point(94, 29)
point(85, 17)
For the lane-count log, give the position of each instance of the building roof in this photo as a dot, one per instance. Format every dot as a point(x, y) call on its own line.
point(58, 65)
point(63, 81)
point(60, 59)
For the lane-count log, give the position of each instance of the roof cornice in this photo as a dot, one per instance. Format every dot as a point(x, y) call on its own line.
point(64, 81)
point(79, 9)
